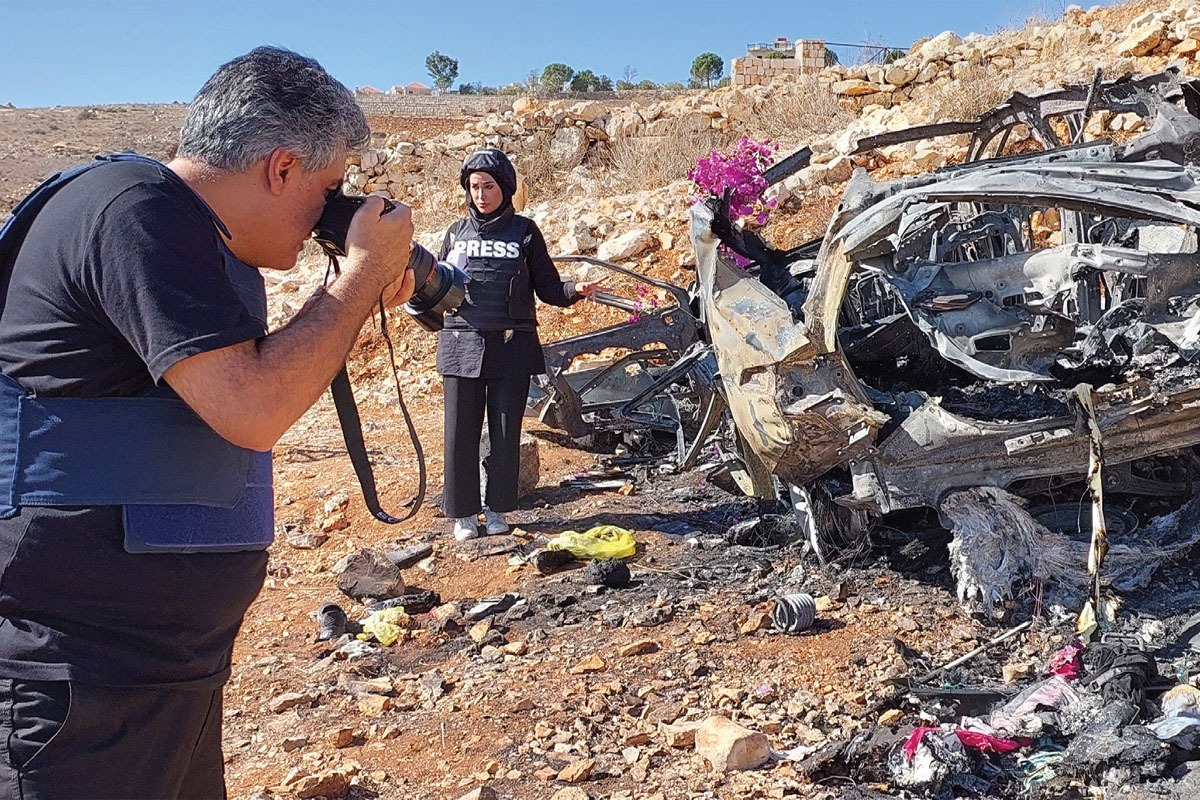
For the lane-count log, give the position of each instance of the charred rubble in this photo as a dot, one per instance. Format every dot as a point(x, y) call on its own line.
point(1005, 350)
point(946, 346)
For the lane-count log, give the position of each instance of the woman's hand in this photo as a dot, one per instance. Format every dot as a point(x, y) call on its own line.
point(589, 289)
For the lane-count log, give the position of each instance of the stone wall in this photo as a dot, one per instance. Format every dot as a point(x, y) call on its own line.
point(809, 59)
point(443, 105)
point(472, 105)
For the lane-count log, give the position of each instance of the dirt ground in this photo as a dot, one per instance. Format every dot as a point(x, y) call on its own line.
point(576, 686)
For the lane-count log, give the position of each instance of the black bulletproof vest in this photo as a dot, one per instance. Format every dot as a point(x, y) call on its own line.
point(499, 293)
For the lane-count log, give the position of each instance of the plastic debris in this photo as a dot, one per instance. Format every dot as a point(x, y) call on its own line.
point(386, 625)
point(602, 541)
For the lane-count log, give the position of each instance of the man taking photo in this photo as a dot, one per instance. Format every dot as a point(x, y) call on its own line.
point(140, 395)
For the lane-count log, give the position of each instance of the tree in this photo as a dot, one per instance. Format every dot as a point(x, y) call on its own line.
point(471, 88)
point(628, 75)
point(893, 55)
point(624, 86)
point(707, 67)
point(648, 85)
point(583, 81)
point(555, 77)
point(588, 81)
point(442, 68)
point(831, 58)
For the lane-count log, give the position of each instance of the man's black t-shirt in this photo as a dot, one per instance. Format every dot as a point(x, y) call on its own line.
point(122, 275)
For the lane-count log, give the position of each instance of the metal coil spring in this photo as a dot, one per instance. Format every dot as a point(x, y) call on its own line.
point(793, 613)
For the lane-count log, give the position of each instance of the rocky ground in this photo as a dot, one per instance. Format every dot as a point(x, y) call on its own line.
point(576, 690)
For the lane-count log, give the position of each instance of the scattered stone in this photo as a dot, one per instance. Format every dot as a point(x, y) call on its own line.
point(729, 747)
point(577, 771)
point(625, 246)
point(306, 540)
point(757, 621)
point(373, 705)
point(341, 737)
point(639, 648)
point(611, 572)
point(334, 522)
point(369, 573)
point(593, 663)
point(571, 793)
point(479, 631)
point(283, 702)
point(891, 717)
point(305, 785)
point(433, 686)
point(357, 686)
point(568, 147)
point(293, 743)
point(678, 735)
point(482, 793)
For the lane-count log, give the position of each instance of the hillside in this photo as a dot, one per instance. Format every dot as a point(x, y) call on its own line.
point(577, 690)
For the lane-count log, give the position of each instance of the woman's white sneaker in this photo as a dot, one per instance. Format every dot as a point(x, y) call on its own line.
point(466, 528)
point(496, 523)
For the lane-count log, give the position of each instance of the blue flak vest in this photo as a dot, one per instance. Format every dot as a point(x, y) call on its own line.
point(183, 488)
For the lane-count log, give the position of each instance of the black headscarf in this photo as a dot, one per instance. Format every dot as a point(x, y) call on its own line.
point(496, 164)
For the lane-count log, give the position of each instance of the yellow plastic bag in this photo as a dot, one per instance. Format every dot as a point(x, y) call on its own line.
point(602, 541)
point(386, 625)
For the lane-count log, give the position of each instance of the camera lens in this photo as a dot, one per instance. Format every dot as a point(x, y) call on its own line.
point(438, 288)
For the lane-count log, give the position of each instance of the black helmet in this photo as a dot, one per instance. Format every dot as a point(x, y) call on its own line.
point(494, 163)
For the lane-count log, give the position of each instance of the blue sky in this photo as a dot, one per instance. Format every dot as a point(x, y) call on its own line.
point(91, 52)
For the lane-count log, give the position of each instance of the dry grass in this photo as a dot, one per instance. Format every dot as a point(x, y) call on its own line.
point(800, 113)
point(979, 89)
point(651, 162)
point(543, 179)
point(1118, 17)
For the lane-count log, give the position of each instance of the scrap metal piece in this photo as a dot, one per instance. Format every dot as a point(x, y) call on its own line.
point(652, 334)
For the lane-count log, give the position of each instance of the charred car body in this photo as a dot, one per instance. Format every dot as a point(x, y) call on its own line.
point(934, 340)
point(937, 338)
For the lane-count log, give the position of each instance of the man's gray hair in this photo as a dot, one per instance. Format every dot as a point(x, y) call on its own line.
point(266, 99)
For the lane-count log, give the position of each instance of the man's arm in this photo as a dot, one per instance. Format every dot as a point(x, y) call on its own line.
point(251, 392)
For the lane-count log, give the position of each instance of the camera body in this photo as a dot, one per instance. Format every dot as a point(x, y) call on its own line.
point(440, 287)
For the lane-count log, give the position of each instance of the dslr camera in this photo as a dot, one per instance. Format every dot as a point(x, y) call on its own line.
point(440, 287)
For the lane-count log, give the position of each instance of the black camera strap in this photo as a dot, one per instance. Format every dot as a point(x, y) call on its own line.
point(347, 411)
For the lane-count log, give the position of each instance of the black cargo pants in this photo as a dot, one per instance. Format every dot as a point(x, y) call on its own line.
point(72, 741)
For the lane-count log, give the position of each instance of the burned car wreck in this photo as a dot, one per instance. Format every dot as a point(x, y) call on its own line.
point(992, 338)
point(979, 334)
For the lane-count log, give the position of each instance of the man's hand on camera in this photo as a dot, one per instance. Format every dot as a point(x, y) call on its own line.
point(380, 243)
point(399, 290)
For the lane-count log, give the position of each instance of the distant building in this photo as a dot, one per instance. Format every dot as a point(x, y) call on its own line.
point(783, 58)
point(412, 88)
point(371, 90)
point(781, 47)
